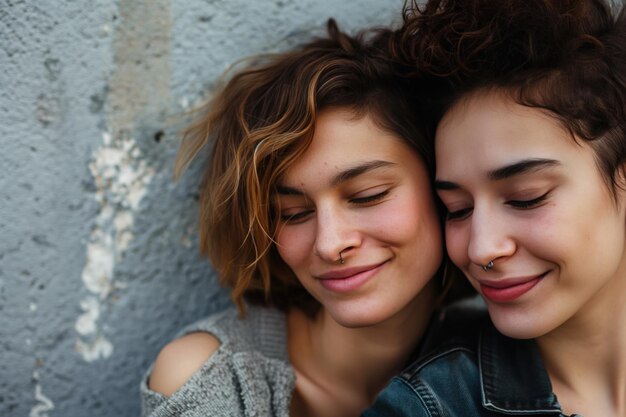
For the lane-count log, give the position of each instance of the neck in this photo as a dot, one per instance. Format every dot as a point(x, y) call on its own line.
point(353, 364)
point(586, 356)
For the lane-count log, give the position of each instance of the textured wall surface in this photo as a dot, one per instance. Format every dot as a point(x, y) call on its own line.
point(98, 258)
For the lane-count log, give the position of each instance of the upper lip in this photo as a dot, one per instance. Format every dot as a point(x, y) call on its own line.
point(509, 282)
point(347, 272)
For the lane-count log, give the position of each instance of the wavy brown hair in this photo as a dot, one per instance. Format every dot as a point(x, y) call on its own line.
point(262, 121)
point(566, 57)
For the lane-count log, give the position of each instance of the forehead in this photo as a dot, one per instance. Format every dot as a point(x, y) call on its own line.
point(488, 130)
point(344, 139)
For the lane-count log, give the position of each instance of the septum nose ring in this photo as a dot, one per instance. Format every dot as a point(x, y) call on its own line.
point(486, 268)
point(341, 260)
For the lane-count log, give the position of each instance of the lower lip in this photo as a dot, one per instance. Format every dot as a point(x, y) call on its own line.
point(501, 295)
point(351, 283)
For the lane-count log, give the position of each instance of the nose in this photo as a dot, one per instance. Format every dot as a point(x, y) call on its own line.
point(490, 237)
point(337, 235)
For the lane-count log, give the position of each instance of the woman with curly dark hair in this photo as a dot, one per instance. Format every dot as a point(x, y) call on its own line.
point(530, 143)
point(318, 213)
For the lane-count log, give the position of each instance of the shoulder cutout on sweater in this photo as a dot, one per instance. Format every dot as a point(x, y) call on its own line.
point(180, 359)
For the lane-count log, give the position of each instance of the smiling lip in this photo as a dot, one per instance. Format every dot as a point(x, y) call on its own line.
point(348, 279)
point(504, 290)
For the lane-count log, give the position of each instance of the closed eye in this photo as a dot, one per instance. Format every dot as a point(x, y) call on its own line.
point(370, 198)
point(295, 218)
point(528, 204)
point(459, 214)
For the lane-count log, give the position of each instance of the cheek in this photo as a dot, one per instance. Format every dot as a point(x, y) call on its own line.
point(457, 244)
point(294, 244)
point(411, 218)
point(390, 222)
point(586, 239)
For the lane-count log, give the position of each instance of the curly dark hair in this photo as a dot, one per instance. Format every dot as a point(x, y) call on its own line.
point(567, 57)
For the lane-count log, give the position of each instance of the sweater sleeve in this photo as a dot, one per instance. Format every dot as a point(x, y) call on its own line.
point(248, 376)
point(242, 384)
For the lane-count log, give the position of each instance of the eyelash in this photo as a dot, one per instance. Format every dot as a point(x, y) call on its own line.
point(456, 215)
point(518, 204)
point(528, 204)
point(296, 217)
point(370, 198)
point(361, 201)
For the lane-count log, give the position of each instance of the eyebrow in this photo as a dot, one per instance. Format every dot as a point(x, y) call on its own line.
point(518, 168)
point(341, 177)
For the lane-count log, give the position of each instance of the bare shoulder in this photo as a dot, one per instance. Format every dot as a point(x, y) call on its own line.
point(180, 359)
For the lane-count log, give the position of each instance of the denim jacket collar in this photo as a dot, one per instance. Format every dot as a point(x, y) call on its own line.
point(513, 378)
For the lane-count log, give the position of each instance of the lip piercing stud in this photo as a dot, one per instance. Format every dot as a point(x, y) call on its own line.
point(341, 260)
point(486, 268)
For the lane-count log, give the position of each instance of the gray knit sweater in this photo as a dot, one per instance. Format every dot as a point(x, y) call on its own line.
point(249, 375)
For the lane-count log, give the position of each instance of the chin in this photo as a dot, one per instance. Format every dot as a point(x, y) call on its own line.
point(519, 325)
point(355, 318)
point(353, 321)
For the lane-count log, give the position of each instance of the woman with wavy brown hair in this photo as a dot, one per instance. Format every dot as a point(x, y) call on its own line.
point(530, 151)
point(317, 212)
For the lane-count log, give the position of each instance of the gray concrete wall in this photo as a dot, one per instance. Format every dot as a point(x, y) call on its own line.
point(98, 248)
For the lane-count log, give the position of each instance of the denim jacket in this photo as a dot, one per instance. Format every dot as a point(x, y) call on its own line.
point(477, 372)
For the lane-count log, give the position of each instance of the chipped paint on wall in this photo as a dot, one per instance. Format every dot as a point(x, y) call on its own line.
point(139, 92)
point(121, 177)
point(127, 68)
point(44, 404)
point(96, 348)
